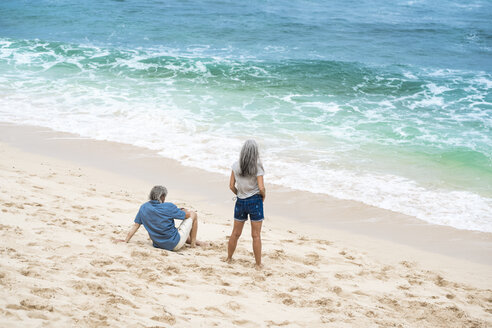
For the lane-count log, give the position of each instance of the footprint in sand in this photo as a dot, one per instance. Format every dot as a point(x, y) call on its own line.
point(208, 272)
point(142, 254)
point(233, 306)
point(10, 204)
point(148, 275)
point(30, 272)
point(216, 246)
point(404, 287)
point(33, 203)
point(180, 296)
point(347, 256)
point(382, 274)
point(137, 292)
point(244, 263)
point(278, 324)
point(259, 278)
point(414, 279)
point(44, 292)
point(224, 291)
point(29, 304)
point(278, 254)
point(407, 264)
point(171, 269)
point(285, 298)
point(165, 317)
point(311, 259)
point(337, 290)
point(215, 310)
point(306, 274)
point(118, 299)
point(360, 292)
point(440, 281)
point(244, 323)
point(370, 314)
point(323, 305)
point(36, 315)
point(322, 242)
point(343, 276)
point(96, 319)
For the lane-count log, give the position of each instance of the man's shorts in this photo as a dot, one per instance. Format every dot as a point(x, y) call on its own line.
point(252, 205)
point(184, 230)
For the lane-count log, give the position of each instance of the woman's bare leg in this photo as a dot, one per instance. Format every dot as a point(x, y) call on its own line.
point(256, 234)
point(236, 233)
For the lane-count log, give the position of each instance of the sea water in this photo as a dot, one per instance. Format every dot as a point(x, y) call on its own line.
point(384, 102)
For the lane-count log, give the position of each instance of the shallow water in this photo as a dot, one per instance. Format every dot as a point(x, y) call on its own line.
point(381, 102)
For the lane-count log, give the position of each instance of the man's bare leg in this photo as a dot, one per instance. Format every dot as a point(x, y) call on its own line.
point(236, 233)
point(191, 240)
point(256, 234)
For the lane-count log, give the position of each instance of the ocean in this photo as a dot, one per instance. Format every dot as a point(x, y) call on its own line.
point(384, 102)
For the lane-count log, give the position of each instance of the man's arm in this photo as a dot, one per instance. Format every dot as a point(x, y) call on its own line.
point(187, 212)
point(131, 232)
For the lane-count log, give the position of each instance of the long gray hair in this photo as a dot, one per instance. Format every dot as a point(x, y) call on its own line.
point(157, 192)
point(249, 159)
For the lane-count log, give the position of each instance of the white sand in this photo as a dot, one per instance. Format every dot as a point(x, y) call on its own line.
point(59, 267)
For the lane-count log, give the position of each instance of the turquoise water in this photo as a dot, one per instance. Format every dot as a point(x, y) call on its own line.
point(383, 102)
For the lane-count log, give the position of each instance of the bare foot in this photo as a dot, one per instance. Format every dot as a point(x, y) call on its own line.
point(201, 243)
point(198, 243)
point(258, 267)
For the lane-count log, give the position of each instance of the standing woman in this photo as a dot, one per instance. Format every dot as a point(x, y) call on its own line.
point(247, 183)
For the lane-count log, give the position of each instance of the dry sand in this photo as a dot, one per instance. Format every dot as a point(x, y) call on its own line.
point(60, 268)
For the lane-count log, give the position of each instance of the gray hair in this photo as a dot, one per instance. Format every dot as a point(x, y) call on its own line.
point(157, 192)
point(249, 159)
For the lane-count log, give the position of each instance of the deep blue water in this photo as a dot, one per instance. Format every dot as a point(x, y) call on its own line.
point(436, 34)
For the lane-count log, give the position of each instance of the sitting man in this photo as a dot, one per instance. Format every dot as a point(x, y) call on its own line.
point(158, 219)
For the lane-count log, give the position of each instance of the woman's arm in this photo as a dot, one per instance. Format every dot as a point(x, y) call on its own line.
point(232, 183)
point(261, 186)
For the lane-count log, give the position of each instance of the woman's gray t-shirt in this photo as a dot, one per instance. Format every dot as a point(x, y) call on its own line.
point(246, 186)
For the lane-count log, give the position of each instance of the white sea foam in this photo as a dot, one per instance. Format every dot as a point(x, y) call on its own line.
point(157, 115)
point(437, 90)
point(484, 81)
point(428, 102)
point(328, 107)
point(409, 75)
point(172, 133)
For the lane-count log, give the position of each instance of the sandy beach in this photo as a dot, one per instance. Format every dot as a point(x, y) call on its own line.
point(368, 123)
point(59, 266)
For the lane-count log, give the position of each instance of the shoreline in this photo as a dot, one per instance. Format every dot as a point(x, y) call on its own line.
point(211, 189)
point(59, 212)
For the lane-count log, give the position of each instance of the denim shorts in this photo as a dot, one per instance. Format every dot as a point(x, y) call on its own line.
point(252, 205)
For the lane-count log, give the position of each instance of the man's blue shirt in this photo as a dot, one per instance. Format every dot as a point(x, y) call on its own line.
point(158, 220)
